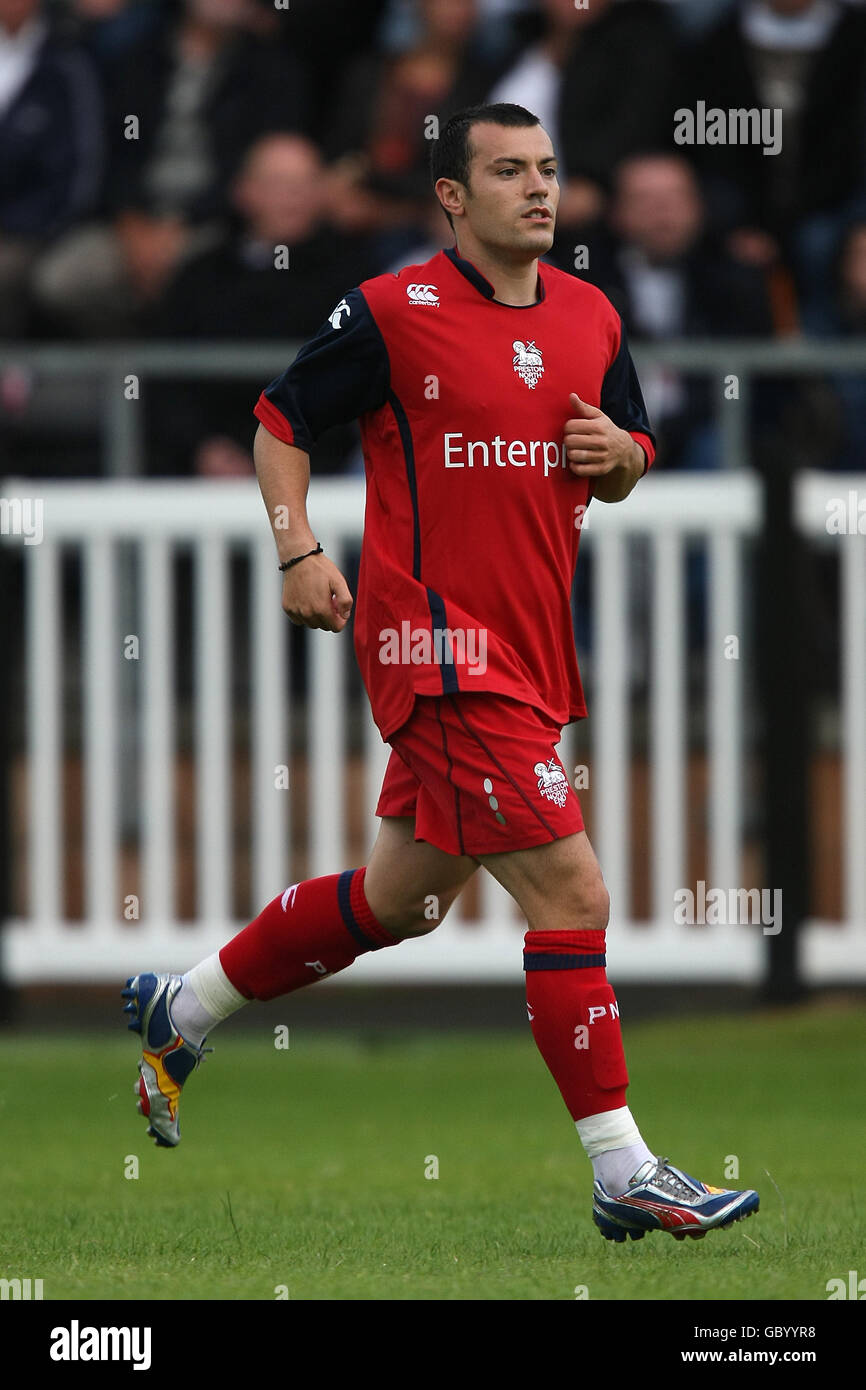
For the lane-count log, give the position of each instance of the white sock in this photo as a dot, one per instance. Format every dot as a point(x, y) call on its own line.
point(613, 1142)
point(205, 998)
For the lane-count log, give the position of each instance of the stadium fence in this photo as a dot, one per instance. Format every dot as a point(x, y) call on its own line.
point(126, 533)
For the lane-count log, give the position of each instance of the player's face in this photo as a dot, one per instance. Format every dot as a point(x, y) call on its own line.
point(510, 204)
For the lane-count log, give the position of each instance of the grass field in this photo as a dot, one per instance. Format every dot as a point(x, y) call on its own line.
point(305, 1168)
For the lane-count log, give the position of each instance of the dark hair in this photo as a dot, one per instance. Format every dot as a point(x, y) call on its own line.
point(450, 155)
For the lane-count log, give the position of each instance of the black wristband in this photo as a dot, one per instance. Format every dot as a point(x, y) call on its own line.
point(287, 564)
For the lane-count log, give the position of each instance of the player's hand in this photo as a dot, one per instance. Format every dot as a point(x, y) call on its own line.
point(593, 443)
point(315, 594)
point(595, 446)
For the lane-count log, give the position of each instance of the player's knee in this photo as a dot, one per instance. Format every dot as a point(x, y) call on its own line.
point(575, 902)
point(418, 917)
point(592, 904)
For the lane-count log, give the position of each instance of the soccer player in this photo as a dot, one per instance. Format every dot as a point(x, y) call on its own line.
point(496, 397)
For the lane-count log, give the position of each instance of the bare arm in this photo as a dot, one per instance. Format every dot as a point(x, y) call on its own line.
point(315, 594)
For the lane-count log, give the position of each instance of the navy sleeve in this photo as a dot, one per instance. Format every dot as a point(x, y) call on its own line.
point(338, 375)
point(622, 399)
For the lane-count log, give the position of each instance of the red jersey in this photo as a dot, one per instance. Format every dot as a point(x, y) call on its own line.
point(473, 518)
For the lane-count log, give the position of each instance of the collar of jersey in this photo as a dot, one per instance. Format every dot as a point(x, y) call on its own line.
point(481, 283)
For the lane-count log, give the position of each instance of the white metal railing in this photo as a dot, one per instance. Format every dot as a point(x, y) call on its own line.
point(105, 520)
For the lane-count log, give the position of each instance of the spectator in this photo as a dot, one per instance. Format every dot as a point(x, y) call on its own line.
point(821, 423)
point(326, 37)
point(276, 275)
point(109, 28)
point(534, 80)
point(51, 148)
point(669, 280)
point(616, 89)
point(500, 23)
point(851, 281)
point(696, 16)
point(807, 59)
point(843, 441)
point(185, 104)
point(379, 139)
point(598, 78)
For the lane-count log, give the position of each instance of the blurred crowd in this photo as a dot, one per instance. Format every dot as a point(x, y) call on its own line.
point(154, 153)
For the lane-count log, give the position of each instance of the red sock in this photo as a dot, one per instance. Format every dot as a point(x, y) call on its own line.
point(575, 1019)
point(312, 930)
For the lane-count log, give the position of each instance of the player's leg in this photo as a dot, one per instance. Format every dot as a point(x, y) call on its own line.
point(404, 874)
point(312, 930)
point(488, 779)
point(575, 1022)
point(558, 886)
point(320, 926)
point(572, 1008)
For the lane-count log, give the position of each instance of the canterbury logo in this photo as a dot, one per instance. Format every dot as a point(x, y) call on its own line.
point(335, 319)
point(422, 294)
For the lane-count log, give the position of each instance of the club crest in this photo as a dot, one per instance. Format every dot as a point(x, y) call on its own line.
point(527, 362)
point(552, 781)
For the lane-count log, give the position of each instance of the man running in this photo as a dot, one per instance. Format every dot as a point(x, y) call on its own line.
point(496, 397)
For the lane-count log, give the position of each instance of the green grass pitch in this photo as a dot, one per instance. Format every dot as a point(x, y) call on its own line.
point(302, 1170)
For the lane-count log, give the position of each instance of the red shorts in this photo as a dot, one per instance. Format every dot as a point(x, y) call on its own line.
point(479, 773)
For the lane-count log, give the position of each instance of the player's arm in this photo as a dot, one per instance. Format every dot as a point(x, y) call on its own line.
point(337, 376)
point(315, 594)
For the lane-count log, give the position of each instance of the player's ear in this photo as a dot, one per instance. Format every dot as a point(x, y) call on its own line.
point(450, 193)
